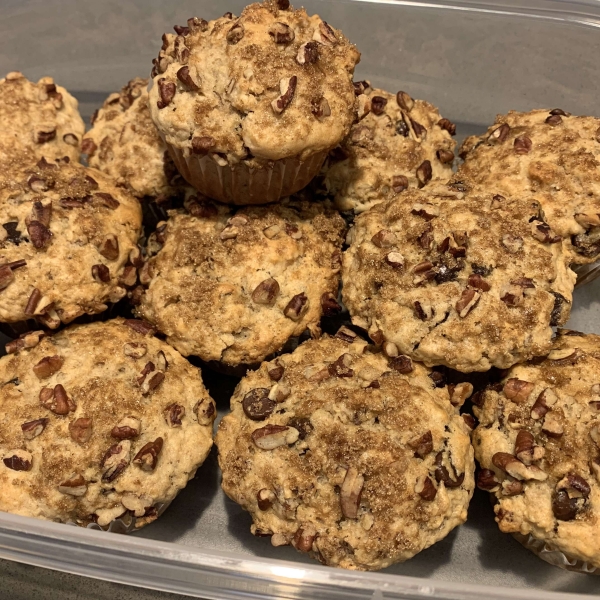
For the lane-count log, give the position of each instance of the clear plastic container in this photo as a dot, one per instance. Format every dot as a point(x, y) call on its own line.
point(473, 60)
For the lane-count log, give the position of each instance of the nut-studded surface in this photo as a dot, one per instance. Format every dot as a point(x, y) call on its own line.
point(457, 278)
point(551, 156)
point(101, 458)
point(552, 427)
point(234, 287)
point(66, 234)
point(346, 458)
point(124, 144)
point(38, 119)
point(387, 149)
point(250, 89)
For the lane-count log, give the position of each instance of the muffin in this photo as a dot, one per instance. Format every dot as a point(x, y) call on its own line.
point(102, 423)
point(398, 143)
point(38, 120)
point(250, 106)
point(234, 287)
point(124, 144)
point(553, 157)
point(457, 277)
point(538, 443)
point(354, 458)
point(68, 243)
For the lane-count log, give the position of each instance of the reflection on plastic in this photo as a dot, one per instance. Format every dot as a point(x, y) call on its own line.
point(288, 572)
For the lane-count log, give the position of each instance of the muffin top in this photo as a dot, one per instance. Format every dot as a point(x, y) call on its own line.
point(236, 286)
point(538, 443)
point(551, 156)
point(38, 119)
point(66, 234)
point(398, 143)
point(457, 277)
point(124, 144)
point(355, 458)
point(100, 422)
point(271, 84)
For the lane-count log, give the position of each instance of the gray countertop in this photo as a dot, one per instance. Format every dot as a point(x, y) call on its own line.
point(23, 582)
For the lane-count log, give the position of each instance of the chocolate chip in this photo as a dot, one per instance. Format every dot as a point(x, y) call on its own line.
point(266, 292)
point(556, 317)
point(523, 145)
point(402, 364)
point(330, 305)
point(402, 128)
point(446, 157)
point(399, 183)
point(424, 173)
point(257, 405)
point(88, 146)
point(378, 104)
point(303, 425)
point(554, 120)
point(563, 507)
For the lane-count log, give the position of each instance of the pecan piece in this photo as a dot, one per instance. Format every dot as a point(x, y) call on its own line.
point(325, 34)
point(384, 239)
point(81, 430)
point(486, 480)
point(184, 76)
point(422, 445)
point(522, 145)
point(402, 364)
point(109, 248)
point(395, 260)
point(166, 91)
point(443, 476)
point(303, 538)
point(345, 334)
point(553, 425)
point(106, 200)
point(424, 173)
point(330, 305)
point(500, 134)
point(280, 392)
point(101, 273)
point(460, 392)
point(202, 145)
point(18, 460)
point(147, 457)
point(127, 429)
point(308, 53)
point(257, 405)
point(287, 88)
point(543, 233)
point(296, 307)
point(115, 460)
point(350, 493)
point(378, 104)
point(515, 468)
point(425, 488)
point(266, 292)
point(56, 400)
point(152, 381)
point(281, 33)
point(478, 282)
point(235, 34)
point(426, 210)
point(31, 429)
point(41, 213)
point(399, 183)
point(341, 367)
point(525, 448)
point(48, 366)
point(544, 403)
point(575, 486)
point(446, 157)
point(39, 234)
point(423, 311)
point(405, 102)
point(518, 390)
point(140, 326)
point(448, 125)
point(74, 486)
point(467, 302)
point(174, 413)
point(275, 370)
point(320, 108)
point(273, 436)
point(205, 411)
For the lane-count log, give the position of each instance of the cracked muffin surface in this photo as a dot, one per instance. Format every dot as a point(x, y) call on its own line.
point(67, 236)
point(235, 286)
point(272, 84)
point(38, 120)
point(553, 157)
point(538, 443)
point(101, 422)
point(124, 144)
point(356, 459)
point(457, 277)
point(397, 143)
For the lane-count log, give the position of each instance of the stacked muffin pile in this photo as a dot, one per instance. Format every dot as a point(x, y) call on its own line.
point(215, 207)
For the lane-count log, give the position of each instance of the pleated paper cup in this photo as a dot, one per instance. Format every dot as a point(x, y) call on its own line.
point(586, 273)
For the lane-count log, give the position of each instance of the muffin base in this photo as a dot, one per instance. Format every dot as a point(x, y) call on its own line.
point(555, 557)
point(241, 185)
point(586, 273)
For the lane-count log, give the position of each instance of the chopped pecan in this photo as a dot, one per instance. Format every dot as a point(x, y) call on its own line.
point(202, 145)
point(287, 88)
point(341, 367)
point(477, 281)
point(518, 390)
point(351, 492)
point(109, 247)
point(425, 488)
point(486, 480)
point(325, 34)
point(442, 475)
point(106, 200)
point(81, 430)
point(47, 366)
point(152, 381)
point(446, 157)
point(303, 538)
point(308, 53)
point(384, 239)
point(166, 91)
point(448, 125)
point(460, 392)
point(405, 102)
point(275, 370)
point(147, 457)
point(140, 326)
point(525, 448)
point(101, 273)
point(426, 210)
point(513, 243)
point(515, 468)
point(345, 334)
point(266, 292)
point(553, 425)
point(205, 411)
point(565, 356)
point(399, 183)
point(184, 76)
point(424, 173)
point(281, 33)
point(39, 234)
point(500, 134)
point(395, 260)
point(330, 305)
point(378, 104)
point(575, 486)
point(235, 34)
point(31, 429)
point(56, 400)
point(74, 486)
point(543, 233)
point(174, 413)
point(544, 403)
point(296, 307)
point(402, 363)
point(127, 429)
point(273, 436)
point(467, 302)
point(422, 445)
point(18, 460)
point(115, 460)
point(522, 145)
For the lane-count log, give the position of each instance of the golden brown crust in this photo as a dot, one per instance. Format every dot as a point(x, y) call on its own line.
point(75, 230)
point(391, 148)
point(457, 278)
point(554, 158)
point(235, 287)
point(124, 144)
point(359, 439)
point(234, 69)
point(546, 414)
point(99, 366)
point(38, 119)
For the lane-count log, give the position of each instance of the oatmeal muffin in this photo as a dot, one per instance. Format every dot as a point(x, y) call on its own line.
point(101, 422)
point(124, 144)
point(397, 143)
point(38, 120)
point(538, 443)
point(68, 236)
point(357, 459)
point(552, 157)
point(457, 277)
point(250, 106)
point(234, 287)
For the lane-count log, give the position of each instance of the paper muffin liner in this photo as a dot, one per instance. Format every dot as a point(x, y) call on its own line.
point(555, 557)
point(586, 273)
point(126, 523)
point(242, 185)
